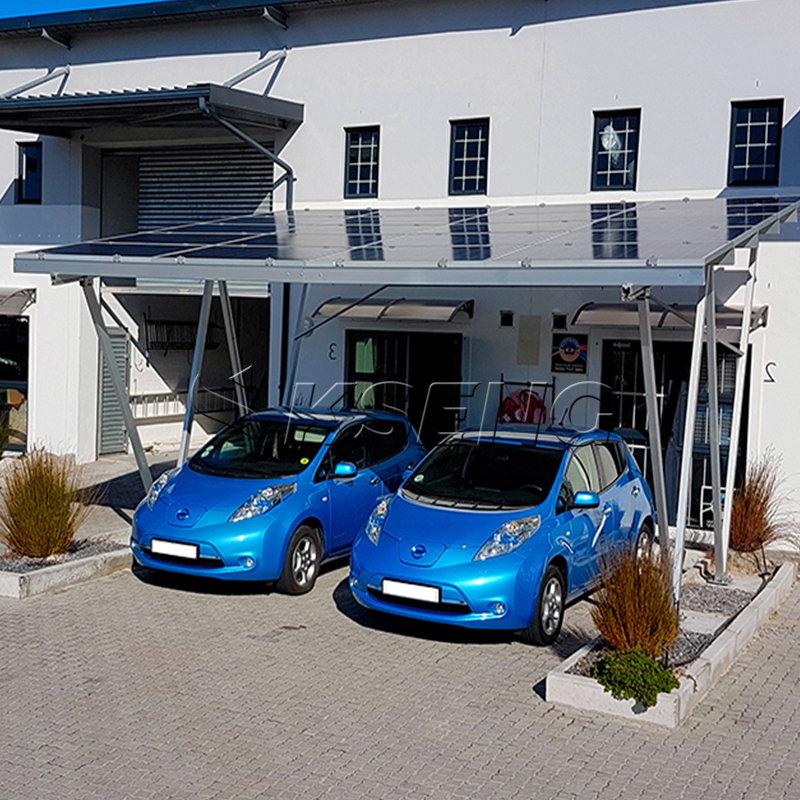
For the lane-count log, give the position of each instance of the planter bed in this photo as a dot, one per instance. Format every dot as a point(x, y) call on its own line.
point(569, 683)
point(22, 577)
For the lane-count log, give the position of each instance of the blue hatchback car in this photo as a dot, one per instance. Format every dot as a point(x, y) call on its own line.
point(273, 495)
point(499, 531)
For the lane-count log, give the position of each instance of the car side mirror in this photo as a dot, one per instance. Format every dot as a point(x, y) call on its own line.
point(585, 500)
point(346, 469)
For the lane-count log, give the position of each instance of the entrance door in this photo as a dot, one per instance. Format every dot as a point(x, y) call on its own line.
point(417, 374)
point(111, 434)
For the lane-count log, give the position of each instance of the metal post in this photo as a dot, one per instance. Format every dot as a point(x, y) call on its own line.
point(118, 383)
point(197, 368)
point(738, 402)
point(713, 427)
point(233, 346)
point(653, 421)
point(295, 357)
point(685, 483)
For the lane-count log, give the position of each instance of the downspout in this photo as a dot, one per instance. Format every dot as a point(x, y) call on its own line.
point(288, 176)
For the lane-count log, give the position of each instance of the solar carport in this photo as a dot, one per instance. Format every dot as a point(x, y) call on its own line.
point(675, 243)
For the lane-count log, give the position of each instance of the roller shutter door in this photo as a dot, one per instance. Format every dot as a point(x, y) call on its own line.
point(112, 436)
point(191, 184)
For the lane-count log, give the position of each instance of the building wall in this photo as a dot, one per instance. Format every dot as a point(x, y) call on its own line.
point(537, 70)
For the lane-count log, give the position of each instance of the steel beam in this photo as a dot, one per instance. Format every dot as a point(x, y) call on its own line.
point(738, 402)
point(713, 428)
point(233, 347)
point(118, 383)
point(197, 368)
point(297, 341)
point(687, 453)
point(653, 421)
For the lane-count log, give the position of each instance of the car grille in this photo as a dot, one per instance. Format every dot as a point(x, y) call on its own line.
point(423, 605)
point(203, 561)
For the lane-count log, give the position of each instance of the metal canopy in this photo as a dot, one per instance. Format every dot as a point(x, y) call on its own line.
point(668, 243)
point(165, 109)
point(679, 317)
point(397, 310)
point(14, 301)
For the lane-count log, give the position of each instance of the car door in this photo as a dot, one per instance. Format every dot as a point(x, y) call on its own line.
point(387, 441)
point(615, 493)
point(584, 526)
point(351, 499)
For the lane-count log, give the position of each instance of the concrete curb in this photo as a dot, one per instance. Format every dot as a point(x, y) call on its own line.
point(673, 708)
point(26, 584)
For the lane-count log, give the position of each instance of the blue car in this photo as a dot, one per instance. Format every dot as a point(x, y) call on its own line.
point(272, 496)
point(499, 531)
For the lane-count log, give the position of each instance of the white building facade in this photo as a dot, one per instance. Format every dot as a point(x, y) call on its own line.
point(611, 105)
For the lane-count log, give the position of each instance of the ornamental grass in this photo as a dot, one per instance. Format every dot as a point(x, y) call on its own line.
point(759, 513)
point(42, 504)
point(633, 606)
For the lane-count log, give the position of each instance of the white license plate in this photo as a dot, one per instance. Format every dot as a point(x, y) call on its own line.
point(411, 591)
point(174, 549)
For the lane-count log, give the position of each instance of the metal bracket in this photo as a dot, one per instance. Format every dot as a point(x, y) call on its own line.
point(256, 68)
point(630, 294)
point(61, 41)
point(56, 73)
point(277, 17)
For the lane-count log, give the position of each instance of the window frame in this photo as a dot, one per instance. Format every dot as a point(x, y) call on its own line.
point(454, 125)
point(375, 166)
point(595, 185)
point(736, 105)
point(22, 181)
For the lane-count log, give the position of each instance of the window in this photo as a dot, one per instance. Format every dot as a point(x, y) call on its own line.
point(29, 175)
point(469, 156)
point(361, 176)
point(755, 146)
point(616, 143)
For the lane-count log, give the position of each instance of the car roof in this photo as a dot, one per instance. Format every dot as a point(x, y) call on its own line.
point(327, 417)
point(551, 436)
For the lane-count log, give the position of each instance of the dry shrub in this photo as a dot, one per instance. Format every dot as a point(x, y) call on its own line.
point(42, 504)
point(757, 515)
point(633, 606)
point(5, 435)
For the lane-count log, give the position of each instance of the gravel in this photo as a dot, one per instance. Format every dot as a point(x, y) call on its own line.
point(714, 599)
point(78, 549)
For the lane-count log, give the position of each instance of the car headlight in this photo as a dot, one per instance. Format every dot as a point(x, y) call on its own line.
point(376, 520)
point(508, 537)
point(158, 486)
point(262, 501)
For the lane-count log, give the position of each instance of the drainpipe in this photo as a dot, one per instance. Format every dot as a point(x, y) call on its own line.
point(288, 176)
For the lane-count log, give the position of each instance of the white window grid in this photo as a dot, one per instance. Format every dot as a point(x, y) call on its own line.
point(623, 160)
point(759, 152)
point(467, 180)
point(362, 158)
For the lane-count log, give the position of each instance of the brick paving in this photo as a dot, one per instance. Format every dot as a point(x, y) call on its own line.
point(147, 686)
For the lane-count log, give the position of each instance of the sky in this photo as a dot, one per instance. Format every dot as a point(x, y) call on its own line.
point(27, 8)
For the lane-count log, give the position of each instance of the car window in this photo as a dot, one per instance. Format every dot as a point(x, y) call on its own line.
point(608, 463)
point(350, 445)
point(385, 439)
point(580, 475)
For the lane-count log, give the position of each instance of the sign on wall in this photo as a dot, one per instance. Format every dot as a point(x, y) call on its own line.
point(569, 353)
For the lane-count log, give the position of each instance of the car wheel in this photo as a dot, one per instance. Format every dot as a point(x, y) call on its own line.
point(546, 623)
point(303, 557)
point(644, 541)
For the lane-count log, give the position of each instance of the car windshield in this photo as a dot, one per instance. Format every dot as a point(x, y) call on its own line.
point(256, 448)
point(496, 474)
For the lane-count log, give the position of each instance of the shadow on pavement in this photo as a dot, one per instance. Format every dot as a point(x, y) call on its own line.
point(191, 584)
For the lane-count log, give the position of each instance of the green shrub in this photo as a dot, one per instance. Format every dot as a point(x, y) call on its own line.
point(631, 675)
point(42, 504)
point(633, 606)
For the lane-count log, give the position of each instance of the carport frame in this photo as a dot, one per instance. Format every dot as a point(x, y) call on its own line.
point(699, 272)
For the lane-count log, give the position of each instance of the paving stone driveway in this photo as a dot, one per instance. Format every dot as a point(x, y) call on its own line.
point(140, 687)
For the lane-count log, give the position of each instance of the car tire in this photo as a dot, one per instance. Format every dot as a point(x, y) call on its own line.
point(302, 562)
point(549, 614)
point(644, 541)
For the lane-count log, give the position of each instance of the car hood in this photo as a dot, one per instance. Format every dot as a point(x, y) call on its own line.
point(449, 526)
point(190, 495)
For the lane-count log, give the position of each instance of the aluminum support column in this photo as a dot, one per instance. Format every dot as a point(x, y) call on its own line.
point(713, 427)
point(653, 422)
point(288, 400)
point(233, 347)
point(118, 383)
point(197, 368)
point(687, 452)
point(738, 402)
